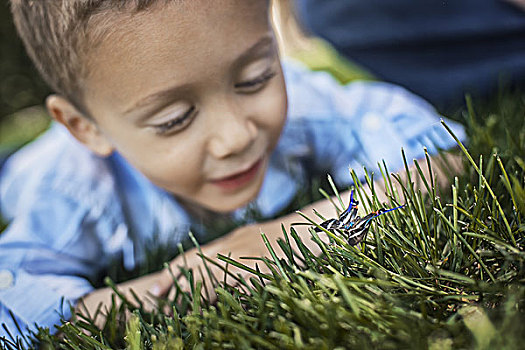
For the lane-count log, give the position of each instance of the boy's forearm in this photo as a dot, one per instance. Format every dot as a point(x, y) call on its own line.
point(247, 242)
point(102, 298)
point(324, 207)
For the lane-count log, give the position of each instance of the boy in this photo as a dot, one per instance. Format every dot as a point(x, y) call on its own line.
point(178, 107)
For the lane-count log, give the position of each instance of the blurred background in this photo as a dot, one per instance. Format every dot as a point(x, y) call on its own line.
point(22, 92)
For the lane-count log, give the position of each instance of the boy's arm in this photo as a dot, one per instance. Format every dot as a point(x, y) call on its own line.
point(247, 242)
point(102, 298)
point(42, 259)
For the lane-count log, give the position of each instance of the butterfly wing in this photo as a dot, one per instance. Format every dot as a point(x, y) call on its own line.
point(359, 229)
point(329, 225)
point(351, 224)
point(350, 214)
point(357, 232)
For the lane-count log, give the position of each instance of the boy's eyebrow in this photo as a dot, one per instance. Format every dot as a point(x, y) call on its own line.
point(261, 44)
point(156, 96)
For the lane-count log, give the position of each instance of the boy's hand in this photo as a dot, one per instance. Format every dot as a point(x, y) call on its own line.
point(102, 298)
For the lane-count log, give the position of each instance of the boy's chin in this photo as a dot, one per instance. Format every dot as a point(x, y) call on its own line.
point(232, 201)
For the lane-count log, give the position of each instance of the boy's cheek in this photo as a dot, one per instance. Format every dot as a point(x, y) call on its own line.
point(278, 124)
point(273, 110)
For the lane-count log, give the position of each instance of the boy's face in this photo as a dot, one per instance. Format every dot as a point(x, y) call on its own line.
point(192, 95)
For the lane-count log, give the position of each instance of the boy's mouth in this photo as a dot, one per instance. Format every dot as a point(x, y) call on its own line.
point(239, 179)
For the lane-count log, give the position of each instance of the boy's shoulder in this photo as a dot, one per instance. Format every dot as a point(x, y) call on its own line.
point(54, 164)
point(317, 94)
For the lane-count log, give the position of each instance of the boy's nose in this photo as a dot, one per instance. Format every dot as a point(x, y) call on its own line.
point(232, 135)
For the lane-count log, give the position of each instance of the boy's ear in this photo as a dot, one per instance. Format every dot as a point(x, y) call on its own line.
point(80, 126)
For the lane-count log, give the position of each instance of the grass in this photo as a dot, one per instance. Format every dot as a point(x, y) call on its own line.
point(446, 271)
point(21, 127)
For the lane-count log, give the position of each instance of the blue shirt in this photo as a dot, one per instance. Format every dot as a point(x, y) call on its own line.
point(71, 213)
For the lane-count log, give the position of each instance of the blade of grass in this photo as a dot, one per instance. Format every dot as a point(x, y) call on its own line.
point(508, 186)
point(469, 247)
point(239, 266)
point(485, 182)
point(274, 256)
point(336, 192)
point(212, 278)
point(327, 196)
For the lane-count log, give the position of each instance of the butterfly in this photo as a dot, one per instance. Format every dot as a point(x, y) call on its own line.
point(351, 226)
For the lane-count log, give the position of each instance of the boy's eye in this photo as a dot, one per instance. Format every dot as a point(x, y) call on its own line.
point(177, 123)
point(255, 84)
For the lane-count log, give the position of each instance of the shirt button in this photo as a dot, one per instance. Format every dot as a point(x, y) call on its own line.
point(6, 279)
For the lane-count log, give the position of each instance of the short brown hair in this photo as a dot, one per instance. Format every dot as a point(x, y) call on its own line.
point(56, 35)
